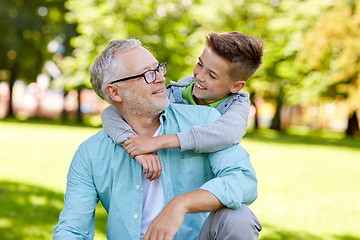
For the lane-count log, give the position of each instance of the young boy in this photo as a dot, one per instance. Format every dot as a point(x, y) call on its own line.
point(227, 62)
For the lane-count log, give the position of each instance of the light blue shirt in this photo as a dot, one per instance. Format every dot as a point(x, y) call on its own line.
point(102, 170)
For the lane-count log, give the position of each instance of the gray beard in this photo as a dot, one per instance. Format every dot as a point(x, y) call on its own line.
point(140, 107)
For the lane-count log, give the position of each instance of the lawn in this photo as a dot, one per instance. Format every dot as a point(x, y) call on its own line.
point(308, 185)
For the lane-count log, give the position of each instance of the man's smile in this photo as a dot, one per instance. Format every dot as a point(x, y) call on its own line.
point(159, 91)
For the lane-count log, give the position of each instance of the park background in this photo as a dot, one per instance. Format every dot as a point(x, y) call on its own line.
point(303, 130)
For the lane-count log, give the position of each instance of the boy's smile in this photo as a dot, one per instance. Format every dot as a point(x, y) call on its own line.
point(197, 85)
point(211, 78)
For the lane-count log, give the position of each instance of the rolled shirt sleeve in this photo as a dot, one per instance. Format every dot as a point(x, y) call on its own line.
point(235, 182)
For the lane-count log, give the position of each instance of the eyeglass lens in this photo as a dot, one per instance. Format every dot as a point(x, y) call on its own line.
point(150, 76)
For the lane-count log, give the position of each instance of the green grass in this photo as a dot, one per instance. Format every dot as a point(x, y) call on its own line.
point(308, 186)
point(34, 160)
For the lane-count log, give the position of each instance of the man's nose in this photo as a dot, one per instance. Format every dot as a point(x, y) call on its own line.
point(159, 77)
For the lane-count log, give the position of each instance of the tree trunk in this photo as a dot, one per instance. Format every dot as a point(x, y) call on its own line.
point(64, 113)
point(256, 120)
point(78, 112)
point(353, 126)
point(276, 122)
point(11, 87)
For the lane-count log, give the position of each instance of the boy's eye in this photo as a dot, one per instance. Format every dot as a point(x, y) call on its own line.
point(212, 75)
point(199, 63)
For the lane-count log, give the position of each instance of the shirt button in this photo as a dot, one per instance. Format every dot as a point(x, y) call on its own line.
point(135, 216)
point(137, 186)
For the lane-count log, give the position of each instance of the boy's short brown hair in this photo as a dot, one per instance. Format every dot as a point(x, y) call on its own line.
point(243, 51)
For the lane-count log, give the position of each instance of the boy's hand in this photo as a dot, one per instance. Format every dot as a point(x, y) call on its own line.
point(151, 165)
point(136, 145)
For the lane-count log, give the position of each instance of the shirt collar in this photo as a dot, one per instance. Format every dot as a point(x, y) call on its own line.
point(187, 95)
point(163, 117)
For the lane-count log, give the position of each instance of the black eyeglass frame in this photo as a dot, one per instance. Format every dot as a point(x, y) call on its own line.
point(143, 74)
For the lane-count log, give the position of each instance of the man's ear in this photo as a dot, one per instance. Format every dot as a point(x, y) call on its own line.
point(237, 86)
point(113, 92)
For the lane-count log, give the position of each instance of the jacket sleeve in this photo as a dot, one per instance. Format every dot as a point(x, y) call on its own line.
point(77, 219)
point(115, 126)
point(223, 133)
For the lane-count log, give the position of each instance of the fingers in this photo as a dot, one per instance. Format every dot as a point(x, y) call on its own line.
point(127, 146)
point(130, 148)
point(154, 234)
point(144, 164)
point(166, 224)
point(132, 154)
point(157, 234)
point(151, 170)
point(145, 167)
point(151, 236)
point(133, 136)
point(151, 165)
point(154, 167)
point(159, 168)
point(137, 145)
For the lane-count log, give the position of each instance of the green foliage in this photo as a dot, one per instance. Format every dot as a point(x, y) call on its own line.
point(166, 28)
point(26, 28)
point(332, 52)
point(284, 32)
point(175, 32)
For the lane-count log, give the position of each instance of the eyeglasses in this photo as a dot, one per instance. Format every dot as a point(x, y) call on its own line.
point(149, 75)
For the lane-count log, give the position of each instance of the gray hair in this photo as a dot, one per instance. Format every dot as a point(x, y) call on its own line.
point(106, 67)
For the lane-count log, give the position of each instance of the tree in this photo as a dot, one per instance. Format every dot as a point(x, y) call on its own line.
point(282, 25)
point(332, 53)
point(283, 32)
point(166, 28)
point(175, 31)
point(27, 27)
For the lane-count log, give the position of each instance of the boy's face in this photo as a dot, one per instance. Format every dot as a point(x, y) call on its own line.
point(212, 81)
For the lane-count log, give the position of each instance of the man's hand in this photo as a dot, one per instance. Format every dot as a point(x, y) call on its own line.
point(170, 219)
point(137, 145)
point(167, 223)
point(151, 165)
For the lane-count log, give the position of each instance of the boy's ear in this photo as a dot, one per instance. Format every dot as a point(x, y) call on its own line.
point(113, 92)
point(237, 86)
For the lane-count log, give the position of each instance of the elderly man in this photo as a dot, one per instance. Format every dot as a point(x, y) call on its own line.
point(191, 184)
